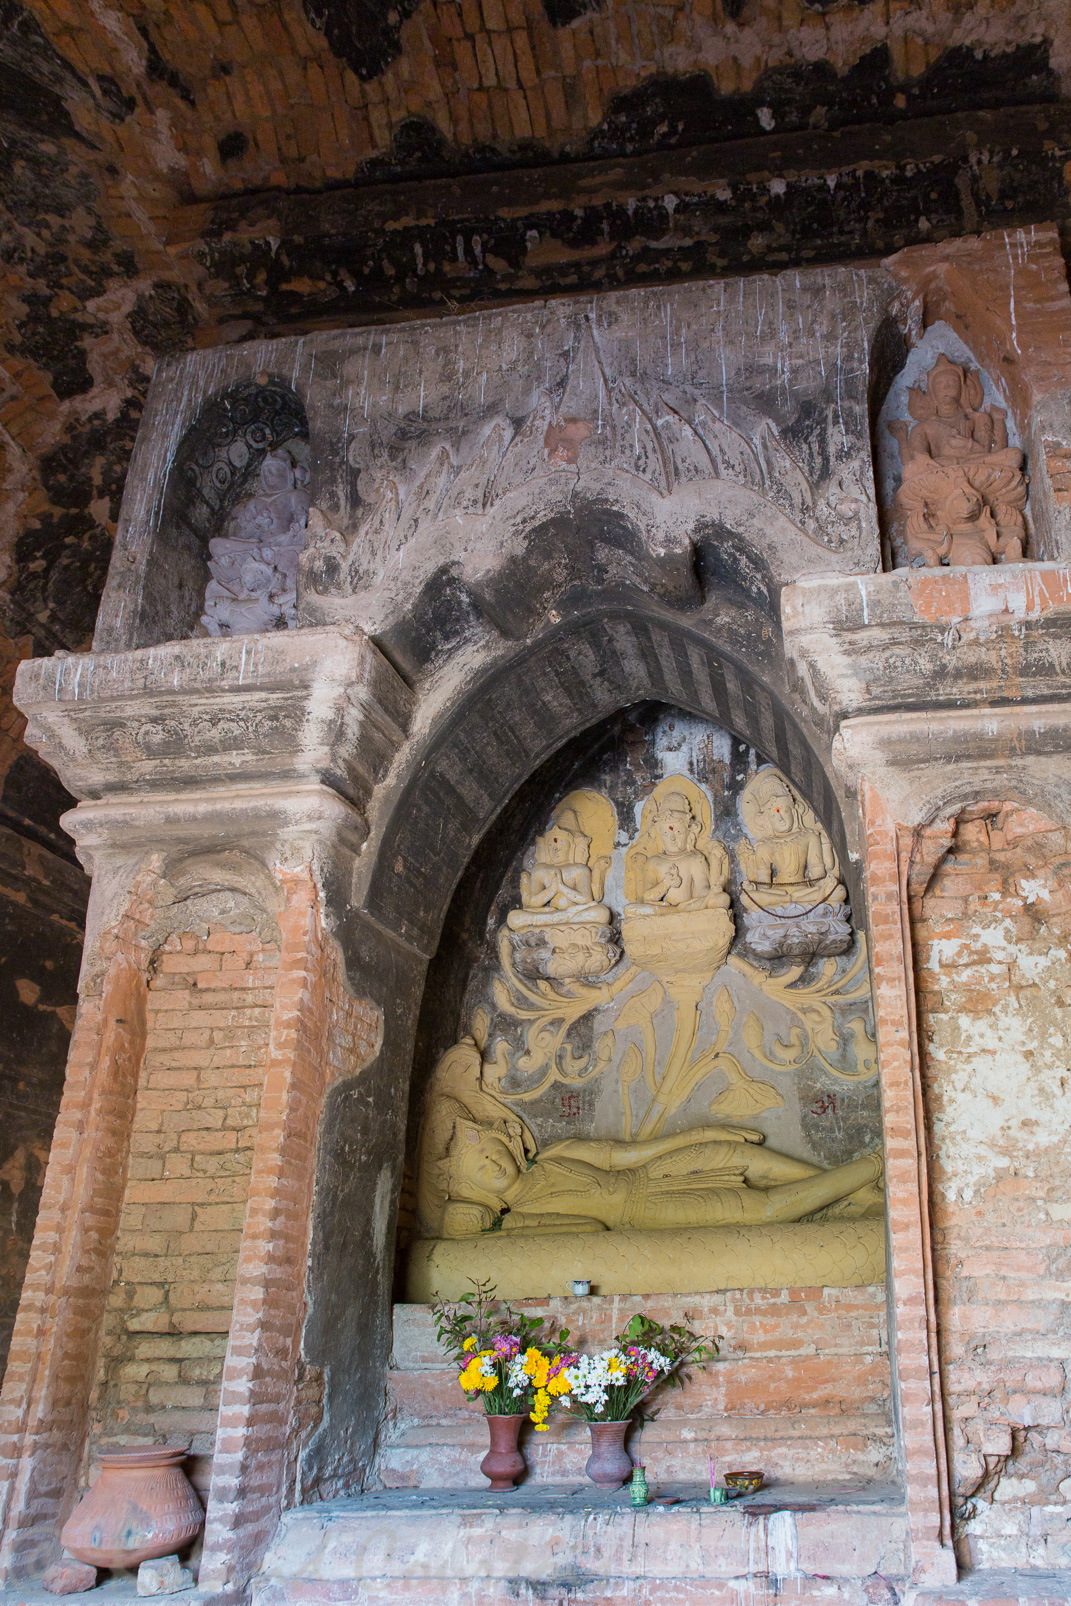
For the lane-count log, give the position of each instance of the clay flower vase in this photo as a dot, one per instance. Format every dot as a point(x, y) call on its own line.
point(609, 1464)
point(503, 1463)
point(141, 1506)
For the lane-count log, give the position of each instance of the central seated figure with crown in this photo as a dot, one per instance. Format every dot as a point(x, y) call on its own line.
point(677, 921)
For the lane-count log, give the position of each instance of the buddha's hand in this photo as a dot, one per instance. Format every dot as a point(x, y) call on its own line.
point(740, 1134)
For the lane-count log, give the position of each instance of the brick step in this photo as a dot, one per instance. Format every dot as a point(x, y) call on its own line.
point(802, 1544)
point(448, 1454)
point(993, 1587)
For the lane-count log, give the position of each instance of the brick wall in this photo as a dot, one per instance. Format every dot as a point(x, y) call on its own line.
point(994, 994)
point(194, 1127)
point(802, 1390)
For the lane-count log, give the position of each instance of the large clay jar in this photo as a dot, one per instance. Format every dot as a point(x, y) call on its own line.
point(609, 1464)
point(503, 1463)
point(141, 1506)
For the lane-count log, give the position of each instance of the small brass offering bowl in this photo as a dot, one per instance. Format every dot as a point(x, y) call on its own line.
point(743, 1482)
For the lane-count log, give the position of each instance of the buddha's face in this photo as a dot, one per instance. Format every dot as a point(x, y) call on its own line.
point(673, 827)
point(276, 475)
point(559, 845)
point(487, 1163)
point(945, 388)
point(964, 506)
point(778, 811)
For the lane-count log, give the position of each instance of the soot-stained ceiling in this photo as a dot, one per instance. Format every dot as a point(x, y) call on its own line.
point(182, 175)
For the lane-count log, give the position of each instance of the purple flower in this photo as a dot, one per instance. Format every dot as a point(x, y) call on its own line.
point(506, 1347)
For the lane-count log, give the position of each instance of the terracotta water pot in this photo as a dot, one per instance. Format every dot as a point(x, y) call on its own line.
point(141, 1506)
point(609, 1464)
point(503, 1463)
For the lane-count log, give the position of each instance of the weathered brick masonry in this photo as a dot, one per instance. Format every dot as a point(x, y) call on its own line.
point(994, 991)
point(191, 1150)
point(183, 1266)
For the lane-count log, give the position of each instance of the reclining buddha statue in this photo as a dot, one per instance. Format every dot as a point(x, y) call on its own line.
point(480, 1168)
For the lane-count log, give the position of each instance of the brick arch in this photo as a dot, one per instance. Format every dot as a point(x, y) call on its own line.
point(521, 712)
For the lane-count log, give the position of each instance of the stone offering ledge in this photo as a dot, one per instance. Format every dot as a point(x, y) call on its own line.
point(574, 1543)
point(930, 637)
point(801, 1389)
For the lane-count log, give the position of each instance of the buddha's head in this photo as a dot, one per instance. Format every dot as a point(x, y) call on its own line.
point(769, 807)
point(276, 473)
point(945, 386)
point(676, 825)
point(555, 846)
point(963, 505)
point(481, 1163)
point(564, 841)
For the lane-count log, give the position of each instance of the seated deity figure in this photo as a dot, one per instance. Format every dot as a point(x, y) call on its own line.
point(677, 921)
point(791, 889)
point(790, 859)
point(963, 491)
point(676, 876)
point(560, 886)
point(562, 929)
point(480, 1167)
point(253, 565)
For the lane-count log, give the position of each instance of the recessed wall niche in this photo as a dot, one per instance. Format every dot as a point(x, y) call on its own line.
point(669, 950)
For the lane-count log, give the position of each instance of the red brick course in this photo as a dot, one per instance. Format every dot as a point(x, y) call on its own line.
point(191, 1151)
point(45, 1402)
point(319, 1033)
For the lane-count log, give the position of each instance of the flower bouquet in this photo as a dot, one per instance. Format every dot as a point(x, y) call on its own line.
point(606, 1388)
point(503, 1359)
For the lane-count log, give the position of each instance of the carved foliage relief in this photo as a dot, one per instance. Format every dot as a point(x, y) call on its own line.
point(672, 951)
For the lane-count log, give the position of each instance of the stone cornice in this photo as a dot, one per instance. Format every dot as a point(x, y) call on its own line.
point(930, 639)
point(293, 707)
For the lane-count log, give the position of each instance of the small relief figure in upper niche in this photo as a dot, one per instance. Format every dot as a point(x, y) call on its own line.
point(562, 929)
point(795, 905)
point(963, 490)
point(254, 563)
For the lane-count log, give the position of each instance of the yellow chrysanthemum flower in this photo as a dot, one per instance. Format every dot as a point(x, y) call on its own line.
point(540, 1410)
point(470, 1343)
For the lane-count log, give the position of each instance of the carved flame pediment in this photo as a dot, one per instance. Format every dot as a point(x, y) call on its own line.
point(658, 441)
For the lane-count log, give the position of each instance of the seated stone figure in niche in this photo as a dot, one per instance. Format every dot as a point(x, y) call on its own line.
point(254, 563)
point(480, 1167)
point(963, 491)
point(562, 929)
point(677, 921)
point(795, 905)
point(678, 866)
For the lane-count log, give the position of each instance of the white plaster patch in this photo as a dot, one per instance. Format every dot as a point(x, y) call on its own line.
point(1033, 890)
point(998, 1079)
point(1014, 1488)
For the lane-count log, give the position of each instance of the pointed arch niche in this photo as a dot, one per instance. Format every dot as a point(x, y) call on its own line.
point(806, 1381)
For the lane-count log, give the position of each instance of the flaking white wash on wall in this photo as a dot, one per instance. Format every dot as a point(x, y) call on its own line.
point(1001, 1084)
point(995, 1021)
